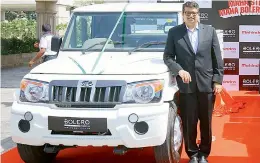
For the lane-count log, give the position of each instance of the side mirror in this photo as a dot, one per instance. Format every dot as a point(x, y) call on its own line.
point(56, 43)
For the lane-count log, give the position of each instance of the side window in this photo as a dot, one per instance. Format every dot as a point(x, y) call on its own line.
point(83, 30)
point(89, 27)
point(78, 31)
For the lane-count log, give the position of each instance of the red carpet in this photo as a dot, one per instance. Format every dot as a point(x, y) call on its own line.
point(237, 140)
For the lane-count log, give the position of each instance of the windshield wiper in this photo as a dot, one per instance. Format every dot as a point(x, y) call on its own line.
point(101, 43)
point(147, 44)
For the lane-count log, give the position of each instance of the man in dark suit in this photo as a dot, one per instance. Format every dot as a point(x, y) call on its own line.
point(193, 55)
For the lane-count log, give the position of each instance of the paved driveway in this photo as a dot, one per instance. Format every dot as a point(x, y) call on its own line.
point(11, 77)
point(10, 81)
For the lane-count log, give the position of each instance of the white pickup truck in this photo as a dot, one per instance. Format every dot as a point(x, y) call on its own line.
point(109, 86)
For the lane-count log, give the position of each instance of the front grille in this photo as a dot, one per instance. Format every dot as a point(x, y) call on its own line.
point(101, 92)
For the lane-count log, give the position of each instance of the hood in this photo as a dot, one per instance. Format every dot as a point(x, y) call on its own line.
point(109, 63)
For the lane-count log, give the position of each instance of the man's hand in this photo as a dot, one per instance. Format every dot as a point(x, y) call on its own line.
point(31, 63)
point(185, 76)
point(217, 88)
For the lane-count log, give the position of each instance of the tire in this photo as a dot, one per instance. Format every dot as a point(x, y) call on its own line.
point(166, 152)
point(35, 154)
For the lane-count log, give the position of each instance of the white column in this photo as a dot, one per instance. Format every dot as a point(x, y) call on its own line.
point(2, 15)
point(46, 13)
point(62, 17)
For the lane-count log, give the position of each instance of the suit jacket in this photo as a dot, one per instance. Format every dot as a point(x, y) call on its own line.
point(205, 66)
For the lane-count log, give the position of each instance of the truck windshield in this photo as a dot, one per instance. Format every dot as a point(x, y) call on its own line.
point(90, 31)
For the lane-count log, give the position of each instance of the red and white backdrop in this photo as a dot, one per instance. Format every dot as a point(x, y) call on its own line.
point(240, 22)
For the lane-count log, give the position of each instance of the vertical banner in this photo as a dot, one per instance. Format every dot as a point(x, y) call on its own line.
point(240, 22)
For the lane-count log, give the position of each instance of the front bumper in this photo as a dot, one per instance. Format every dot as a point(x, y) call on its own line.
point(122, 131)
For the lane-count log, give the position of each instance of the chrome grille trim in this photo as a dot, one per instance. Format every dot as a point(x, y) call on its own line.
point(102, 92)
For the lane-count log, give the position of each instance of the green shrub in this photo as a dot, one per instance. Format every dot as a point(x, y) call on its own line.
point(18, 28)
point(61, 26)
point(18, 36)
point(17, 46)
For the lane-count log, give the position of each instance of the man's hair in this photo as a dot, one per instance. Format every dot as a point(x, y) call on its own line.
point(190, 4)
point(46, 27)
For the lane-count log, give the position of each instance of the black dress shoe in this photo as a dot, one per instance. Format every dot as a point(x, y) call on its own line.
point(194, 160)
point(203, 159)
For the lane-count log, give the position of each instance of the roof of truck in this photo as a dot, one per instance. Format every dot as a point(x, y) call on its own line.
point(132, 7)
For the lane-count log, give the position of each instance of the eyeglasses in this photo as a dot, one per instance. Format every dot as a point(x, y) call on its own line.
point(191, 13)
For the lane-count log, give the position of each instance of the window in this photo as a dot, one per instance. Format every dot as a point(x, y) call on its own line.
point(90, 31)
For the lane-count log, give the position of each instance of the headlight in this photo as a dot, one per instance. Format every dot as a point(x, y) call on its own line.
point(144, 92)
point(34, 91)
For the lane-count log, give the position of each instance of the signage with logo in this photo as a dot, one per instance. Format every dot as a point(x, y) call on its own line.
point(249, 66)
point(204, 16)
point(249, 33)
point(231, 49)
point(249, 49)
point(236, 8)
point(77, 124)
point(231, 82)
point(230, 35)
point(231, 66)
point(249, 82)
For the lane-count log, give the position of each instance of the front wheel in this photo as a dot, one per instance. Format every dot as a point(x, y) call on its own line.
point(35, 154)
point(170, 150)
